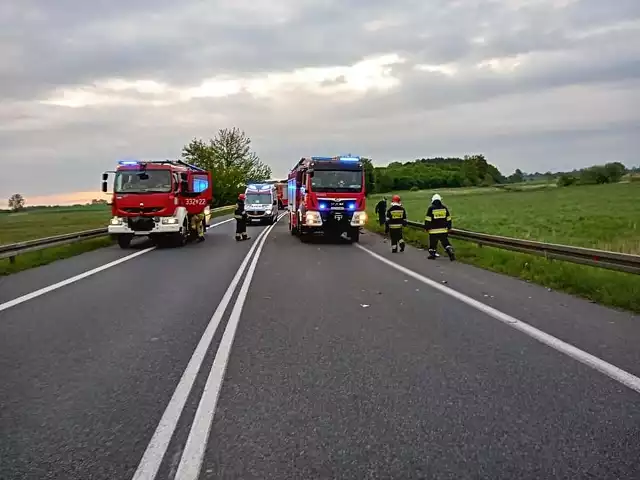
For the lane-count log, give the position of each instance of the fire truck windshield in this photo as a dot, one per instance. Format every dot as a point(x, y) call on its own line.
point(258, 199)
point(336, 181)
point(149, 181)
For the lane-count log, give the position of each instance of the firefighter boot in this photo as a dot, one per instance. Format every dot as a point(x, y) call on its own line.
point(238, 237)
point(244, 236)
point(451, 253)
point(401, 243)
point(432, 254)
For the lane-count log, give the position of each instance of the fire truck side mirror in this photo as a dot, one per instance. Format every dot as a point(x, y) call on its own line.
point(104, 186)
point(105, 177)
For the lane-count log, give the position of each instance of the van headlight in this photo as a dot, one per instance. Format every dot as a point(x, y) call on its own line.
point(169, 221)
point(359, 219)
point(116, 221)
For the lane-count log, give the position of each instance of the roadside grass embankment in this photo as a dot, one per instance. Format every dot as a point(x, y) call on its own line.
point(48, 222)
point(605, 217)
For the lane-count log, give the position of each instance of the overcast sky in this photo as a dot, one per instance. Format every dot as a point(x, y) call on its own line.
point(533, 84)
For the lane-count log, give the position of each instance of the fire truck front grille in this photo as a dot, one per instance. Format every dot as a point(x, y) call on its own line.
point(142, 209)
point(256, 213)
point(141, 224)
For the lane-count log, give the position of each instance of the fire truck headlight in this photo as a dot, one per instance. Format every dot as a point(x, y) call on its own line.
point(169, 221)
point(116, 221)
point(359, 219)
point(313, 218)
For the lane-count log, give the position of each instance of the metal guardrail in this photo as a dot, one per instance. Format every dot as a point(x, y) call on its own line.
point(12, 250)
point(623, 262)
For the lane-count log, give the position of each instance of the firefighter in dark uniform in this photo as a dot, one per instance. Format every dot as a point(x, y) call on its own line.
point(241, 219)
point(437, 222)
point(381, 210)
point(396, 221)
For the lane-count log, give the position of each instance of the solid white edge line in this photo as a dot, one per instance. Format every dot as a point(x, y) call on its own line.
point(157, 447)
point(88, 273)
point(561, 346)
point(193, 453)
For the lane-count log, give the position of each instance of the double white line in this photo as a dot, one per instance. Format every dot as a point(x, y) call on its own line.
point(192, 456)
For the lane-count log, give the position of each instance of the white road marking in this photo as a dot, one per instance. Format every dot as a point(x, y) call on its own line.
point(153, 455)
point(193, 454)
point(88, 273)
point(581, 356)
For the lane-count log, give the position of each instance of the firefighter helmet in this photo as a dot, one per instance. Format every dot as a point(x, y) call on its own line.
point(436, 197)
point(395, 199)
point(241, 196)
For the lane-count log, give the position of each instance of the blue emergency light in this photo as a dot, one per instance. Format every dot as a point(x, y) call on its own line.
point(349, 159)
point(321, 158)
point(128, 162)
point(323, 206)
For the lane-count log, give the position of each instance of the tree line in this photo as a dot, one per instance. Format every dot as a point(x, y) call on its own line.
point(233, 163)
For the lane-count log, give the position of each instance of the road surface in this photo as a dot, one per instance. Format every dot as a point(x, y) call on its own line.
point(274, 359)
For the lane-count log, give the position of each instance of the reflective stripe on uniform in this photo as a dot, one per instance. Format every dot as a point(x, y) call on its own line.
point(239, 217)
point(438, 230)
point(439, 213)
point(449, 218)
point(394, 225)
point(427, 219)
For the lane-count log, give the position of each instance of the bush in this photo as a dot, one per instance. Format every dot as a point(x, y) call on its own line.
point(566, 180)
point(414, 189)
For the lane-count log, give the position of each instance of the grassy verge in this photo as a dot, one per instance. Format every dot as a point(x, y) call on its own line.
point(573, 216)
point(60, 221)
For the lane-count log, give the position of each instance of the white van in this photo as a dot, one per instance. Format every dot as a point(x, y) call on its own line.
point(261, 203)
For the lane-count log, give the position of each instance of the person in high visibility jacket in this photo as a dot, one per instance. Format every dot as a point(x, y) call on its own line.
point(241, 219)
point(396, 221)
point(437, 222)
point(197, 224)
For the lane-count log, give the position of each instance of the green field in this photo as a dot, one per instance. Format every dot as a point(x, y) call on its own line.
point(600, 216)
point(47, 222)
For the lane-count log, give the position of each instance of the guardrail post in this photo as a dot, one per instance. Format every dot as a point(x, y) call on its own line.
point(12, 260)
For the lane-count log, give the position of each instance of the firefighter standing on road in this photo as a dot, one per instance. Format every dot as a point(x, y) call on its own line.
point(241, 219)
point(437, 222)
point(396, 221)
point(197, 224)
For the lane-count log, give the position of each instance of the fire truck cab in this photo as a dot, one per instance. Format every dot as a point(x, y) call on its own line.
point(327, 195)
point(158, 199)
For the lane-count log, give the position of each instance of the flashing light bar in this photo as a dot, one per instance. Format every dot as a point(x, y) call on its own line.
point(343, 158)
point(128, 162)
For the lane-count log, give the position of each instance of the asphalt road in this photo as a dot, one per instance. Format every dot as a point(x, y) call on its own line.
point(316, 361)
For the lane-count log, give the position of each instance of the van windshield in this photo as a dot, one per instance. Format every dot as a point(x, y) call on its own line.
point(258, 199)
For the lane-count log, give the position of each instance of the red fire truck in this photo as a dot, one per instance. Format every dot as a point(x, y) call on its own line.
point(281, 188)
point(327, 195)
point(158, 199)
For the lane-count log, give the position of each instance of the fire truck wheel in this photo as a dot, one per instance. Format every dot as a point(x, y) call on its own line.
point(124, 240)
point(182, 237)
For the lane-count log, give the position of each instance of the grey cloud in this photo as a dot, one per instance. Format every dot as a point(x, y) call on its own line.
point(49, 45)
